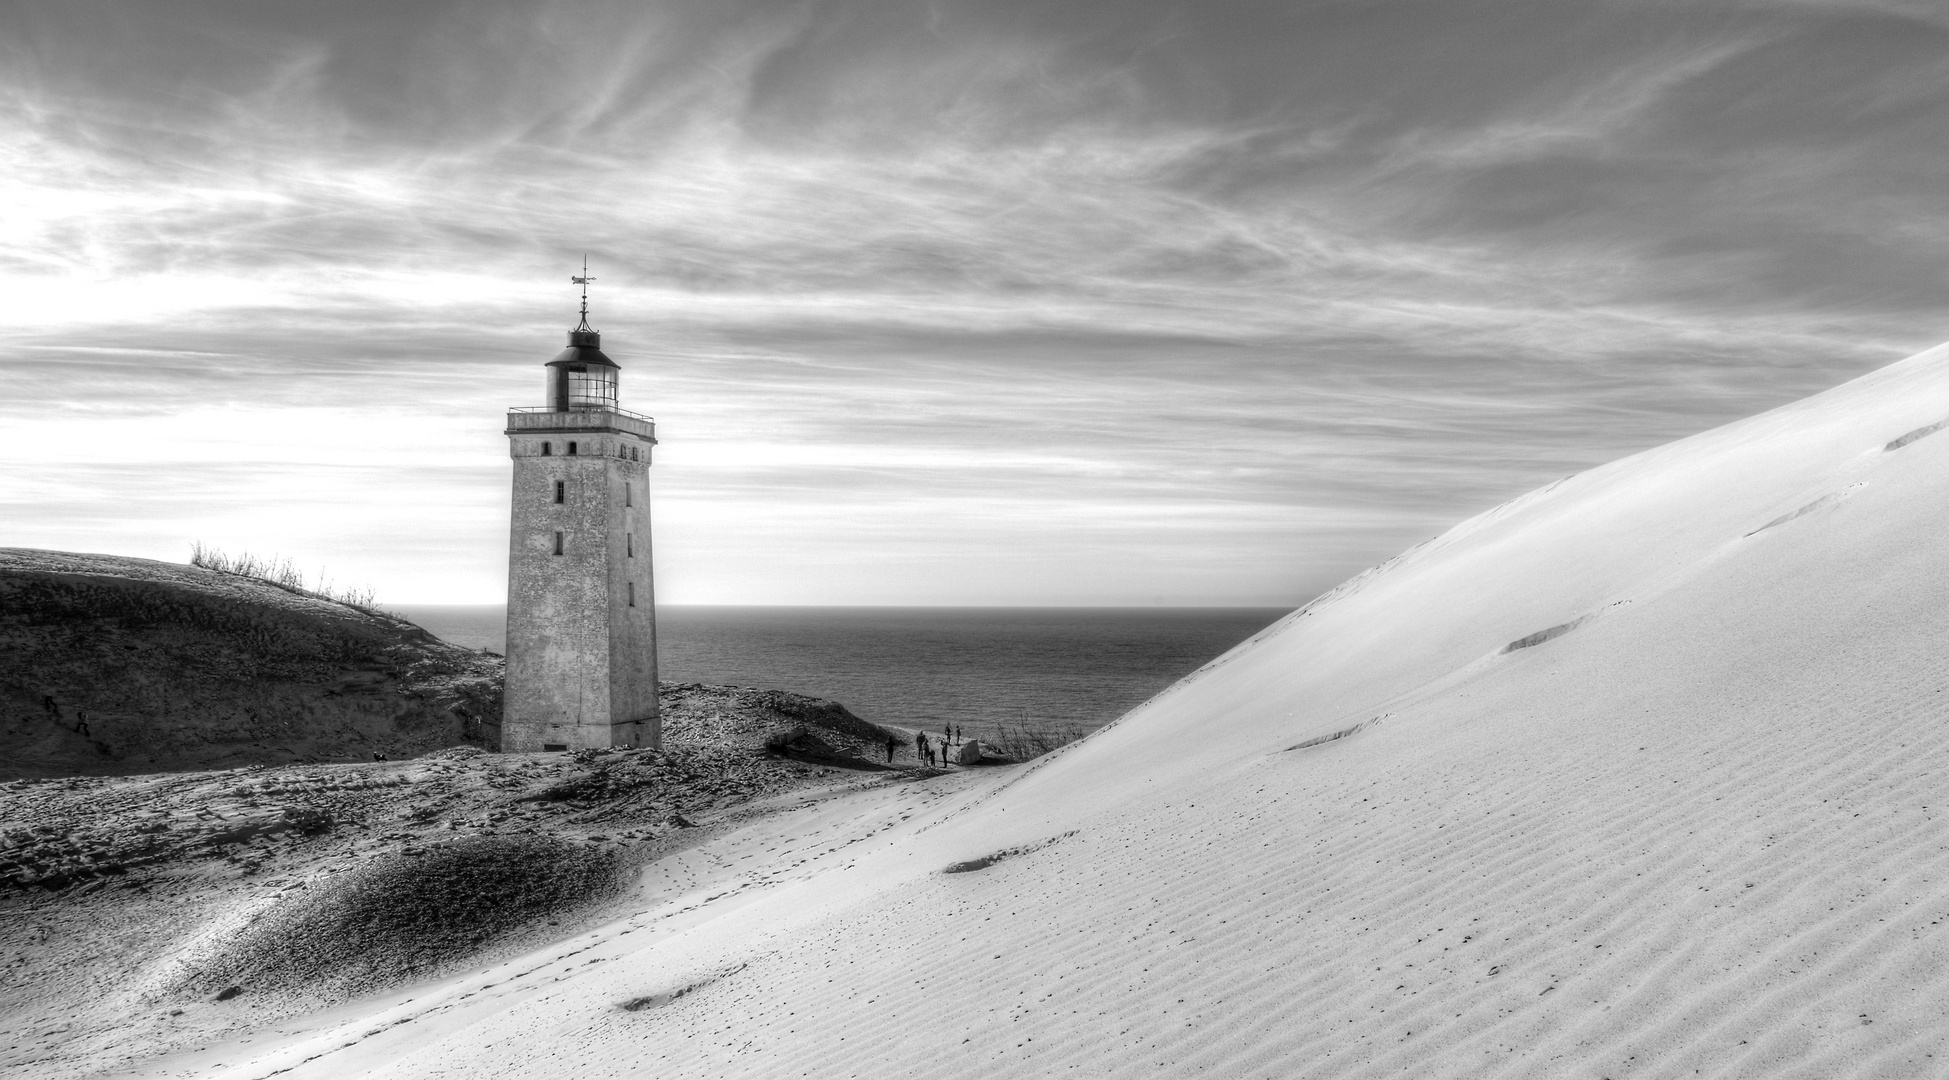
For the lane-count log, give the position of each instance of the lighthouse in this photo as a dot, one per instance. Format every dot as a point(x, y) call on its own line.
point(581, 641)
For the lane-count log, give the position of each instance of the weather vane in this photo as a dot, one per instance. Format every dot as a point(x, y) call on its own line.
point(584, 282)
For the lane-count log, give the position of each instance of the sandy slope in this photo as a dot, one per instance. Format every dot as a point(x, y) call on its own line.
point(1700, 833)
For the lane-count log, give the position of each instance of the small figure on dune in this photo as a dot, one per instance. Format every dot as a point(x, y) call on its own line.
point(920, 745)
point(892, 745)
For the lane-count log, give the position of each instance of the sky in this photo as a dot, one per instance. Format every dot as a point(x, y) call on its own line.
point(1042, 302)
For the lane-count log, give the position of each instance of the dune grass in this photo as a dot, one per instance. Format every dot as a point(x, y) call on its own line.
point(281, 571)
point(1023, 740)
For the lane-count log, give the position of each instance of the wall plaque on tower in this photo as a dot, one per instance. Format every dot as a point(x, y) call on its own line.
point(581, 642)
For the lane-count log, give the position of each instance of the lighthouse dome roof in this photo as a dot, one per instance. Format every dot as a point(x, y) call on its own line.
point(584, 347)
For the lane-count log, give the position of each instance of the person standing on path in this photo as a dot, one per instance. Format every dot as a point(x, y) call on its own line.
point(892, 745)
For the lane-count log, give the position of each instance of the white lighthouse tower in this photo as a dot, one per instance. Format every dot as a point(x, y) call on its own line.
point(581, 643)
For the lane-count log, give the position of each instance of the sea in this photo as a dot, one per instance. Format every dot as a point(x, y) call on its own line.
point(1067, 670)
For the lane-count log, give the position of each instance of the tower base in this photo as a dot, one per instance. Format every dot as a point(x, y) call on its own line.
point(529, 737)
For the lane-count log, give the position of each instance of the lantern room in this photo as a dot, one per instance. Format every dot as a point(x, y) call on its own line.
point(580, 377)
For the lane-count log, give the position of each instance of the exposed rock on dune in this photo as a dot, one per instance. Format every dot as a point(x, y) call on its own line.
point(1705, 834)
point(116, 665)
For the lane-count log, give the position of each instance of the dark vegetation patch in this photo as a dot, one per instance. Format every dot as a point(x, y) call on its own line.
point(1542, 636)
point(703, 712)
point(401, 917)
point(113, 666)
point(652, 1001)
point(992, 858)
point(779, 723)
point(1335, 736)
point(801, 743)
point(1824, 500)
point(1918, 433)
point(1020, 741)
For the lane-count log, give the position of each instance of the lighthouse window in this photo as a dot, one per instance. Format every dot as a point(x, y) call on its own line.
point(629, 545)
point(632, 594)
point(626, 496)
point(571, 448)
point(592, 388)
point(558, 541)
point(547, 449)
point(561, 491)
point(632, 453)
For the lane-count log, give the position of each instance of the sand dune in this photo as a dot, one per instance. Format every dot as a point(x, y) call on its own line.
point(113, 666)
point(1703, 833)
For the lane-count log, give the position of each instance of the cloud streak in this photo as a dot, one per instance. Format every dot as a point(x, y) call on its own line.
point(1066, 302)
